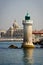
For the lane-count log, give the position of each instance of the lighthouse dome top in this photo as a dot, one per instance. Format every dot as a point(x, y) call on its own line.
point(27, 17)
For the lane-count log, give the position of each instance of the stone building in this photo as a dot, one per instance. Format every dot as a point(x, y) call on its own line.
point(13, 32)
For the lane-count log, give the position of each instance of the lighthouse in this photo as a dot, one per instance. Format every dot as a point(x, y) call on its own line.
point(27, 29)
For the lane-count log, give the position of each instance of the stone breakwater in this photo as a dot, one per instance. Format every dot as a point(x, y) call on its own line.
point(10, 39)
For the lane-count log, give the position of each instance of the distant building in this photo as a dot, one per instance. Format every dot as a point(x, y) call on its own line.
point(16, 32)
point(2, 33)
point(13, 32)
point(38, 35)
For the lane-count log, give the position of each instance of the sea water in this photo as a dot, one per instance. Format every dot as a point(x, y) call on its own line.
point(19, 56)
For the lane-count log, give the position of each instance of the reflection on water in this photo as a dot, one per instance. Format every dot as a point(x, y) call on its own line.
point(20, 56)
point(28, 56)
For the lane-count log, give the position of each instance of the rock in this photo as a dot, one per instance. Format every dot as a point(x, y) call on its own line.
point(13, 46)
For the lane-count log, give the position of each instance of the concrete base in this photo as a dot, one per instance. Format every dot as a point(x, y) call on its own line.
point(27, 45)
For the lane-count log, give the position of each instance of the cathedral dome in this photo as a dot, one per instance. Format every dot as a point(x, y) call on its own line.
point(15, 24)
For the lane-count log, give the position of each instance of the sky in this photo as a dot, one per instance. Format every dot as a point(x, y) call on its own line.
point(11, 10)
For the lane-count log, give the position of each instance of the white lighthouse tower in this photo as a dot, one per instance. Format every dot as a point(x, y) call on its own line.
point(27, 28)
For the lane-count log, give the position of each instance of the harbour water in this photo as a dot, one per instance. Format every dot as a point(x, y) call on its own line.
point(19, 56)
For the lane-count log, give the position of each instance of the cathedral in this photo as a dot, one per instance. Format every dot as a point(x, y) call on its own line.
point(13, 32)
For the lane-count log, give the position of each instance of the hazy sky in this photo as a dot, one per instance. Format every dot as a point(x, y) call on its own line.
point(17, 9)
